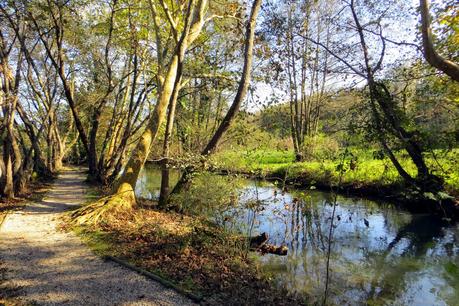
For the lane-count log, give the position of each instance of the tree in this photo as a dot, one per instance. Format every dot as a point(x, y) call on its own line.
point(184, 24)
point(299, 68)
point(43, 91)
point(238, 99)
point(432, 57)
point(387, 117)
point(10, 81)
point(52, 36)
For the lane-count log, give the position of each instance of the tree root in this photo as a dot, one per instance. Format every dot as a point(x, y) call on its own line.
point(97, 211)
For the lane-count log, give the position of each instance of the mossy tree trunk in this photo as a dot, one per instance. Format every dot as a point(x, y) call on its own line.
point(194, 21)
point(164, 190)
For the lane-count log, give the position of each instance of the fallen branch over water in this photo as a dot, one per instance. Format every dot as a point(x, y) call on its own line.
point(258, 243)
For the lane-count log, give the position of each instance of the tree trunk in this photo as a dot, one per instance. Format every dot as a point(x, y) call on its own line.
point(8, 187)
point(243, 83)
point(240, 96)
point(392, 122)
point(11, 156)
point(194, 22)
point(164, 192)
point(432, 57)
point(94, 173)
point(126, 183)
point(39, 165)
point(58, 62)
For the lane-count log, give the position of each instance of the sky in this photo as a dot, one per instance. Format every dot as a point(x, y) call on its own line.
point(403, 29)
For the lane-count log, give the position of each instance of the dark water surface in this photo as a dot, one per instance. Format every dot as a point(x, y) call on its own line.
point(379, 255)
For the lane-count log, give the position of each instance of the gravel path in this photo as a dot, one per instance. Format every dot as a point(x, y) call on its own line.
point(50, 267)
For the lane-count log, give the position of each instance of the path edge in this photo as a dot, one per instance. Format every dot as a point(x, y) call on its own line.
point(194, 297)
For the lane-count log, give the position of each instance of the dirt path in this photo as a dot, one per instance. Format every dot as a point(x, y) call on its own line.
point(50, 267)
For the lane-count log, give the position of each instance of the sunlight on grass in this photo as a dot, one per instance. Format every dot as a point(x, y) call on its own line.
point(368, 171)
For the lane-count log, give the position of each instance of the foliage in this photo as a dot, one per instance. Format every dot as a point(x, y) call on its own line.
point(208, 195)
point(367, 170)
point(321, 147)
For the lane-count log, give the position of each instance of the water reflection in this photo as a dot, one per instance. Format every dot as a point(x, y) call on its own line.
point(380, 255)
point(149, 182)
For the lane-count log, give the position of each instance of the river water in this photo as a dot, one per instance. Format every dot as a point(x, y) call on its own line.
point(379, 255)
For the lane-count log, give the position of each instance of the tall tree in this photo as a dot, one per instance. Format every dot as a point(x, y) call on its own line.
point(297, 67)
point(193, 20)
point(176, 28)
point(389, 123)
point(52, 35)
point(10, 80)
point(239, 98)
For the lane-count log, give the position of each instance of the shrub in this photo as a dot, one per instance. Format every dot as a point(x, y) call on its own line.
point(320, 147)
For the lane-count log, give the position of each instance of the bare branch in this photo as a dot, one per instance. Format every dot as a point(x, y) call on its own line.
point(169, 18)
point(359, 73)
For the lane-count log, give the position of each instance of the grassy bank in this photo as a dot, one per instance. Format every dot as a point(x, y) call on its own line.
point(367, 172)
point(193, 254)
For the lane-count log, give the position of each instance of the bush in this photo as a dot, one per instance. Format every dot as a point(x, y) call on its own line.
point(320, 147)
point(209, 195)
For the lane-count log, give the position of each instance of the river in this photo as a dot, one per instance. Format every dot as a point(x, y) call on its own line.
point(380, 255)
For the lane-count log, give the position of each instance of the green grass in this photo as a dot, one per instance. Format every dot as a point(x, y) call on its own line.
point(369, 171)
point(98, 241)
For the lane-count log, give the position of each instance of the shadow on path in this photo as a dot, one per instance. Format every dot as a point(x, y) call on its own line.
point(55, 268)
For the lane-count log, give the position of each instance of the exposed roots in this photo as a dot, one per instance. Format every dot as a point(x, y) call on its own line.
point(96, 212)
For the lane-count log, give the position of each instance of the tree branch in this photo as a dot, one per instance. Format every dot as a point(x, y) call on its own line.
point(432, 57)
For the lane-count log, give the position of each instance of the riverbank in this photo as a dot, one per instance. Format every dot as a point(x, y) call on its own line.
point(363, 176)
point(198, 257)
point(375, 245)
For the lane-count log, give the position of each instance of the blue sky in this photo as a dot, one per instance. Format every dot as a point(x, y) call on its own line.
point(402, 29)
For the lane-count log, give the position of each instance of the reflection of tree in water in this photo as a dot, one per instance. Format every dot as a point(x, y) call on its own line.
point(375, 266)
point(371, 262)
point(421, 232)
point(408, 252)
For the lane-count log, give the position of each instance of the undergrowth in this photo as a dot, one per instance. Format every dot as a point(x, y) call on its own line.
point(192, 253)
point(368, 169)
